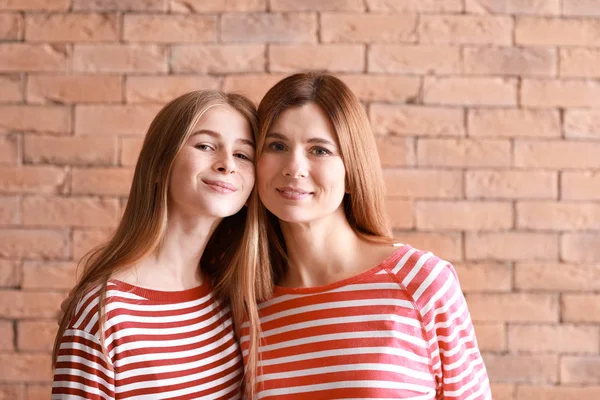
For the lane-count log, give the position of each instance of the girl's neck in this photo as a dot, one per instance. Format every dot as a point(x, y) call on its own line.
point(175, 264)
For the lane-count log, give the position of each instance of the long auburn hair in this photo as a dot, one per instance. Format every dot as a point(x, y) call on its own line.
point(364, 205)
point(144, 220)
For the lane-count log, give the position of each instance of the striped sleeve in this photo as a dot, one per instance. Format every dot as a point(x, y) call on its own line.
point(456, 359)
point(82, 370)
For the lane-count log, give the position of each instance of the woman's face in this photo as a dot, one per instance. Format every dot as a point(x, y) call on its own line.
point(213, 174)
point(300, 173)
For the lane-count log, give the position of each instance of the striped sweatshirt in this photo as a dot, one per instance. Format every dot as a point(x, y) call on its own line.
point(400, 330)
point(160, 345)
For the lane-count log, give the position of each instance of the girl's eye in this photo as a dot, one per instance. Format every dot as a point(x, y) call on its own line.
point(320, 151)
point(242, 156)
point(277, 146)
point(203, 147)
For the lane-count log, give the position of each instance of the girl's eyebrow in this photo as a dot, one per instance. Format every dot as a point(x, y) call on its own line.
point(217, 135)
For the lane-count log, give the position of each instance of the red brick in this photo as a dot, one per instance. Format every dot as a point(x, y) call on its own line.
point(120, 5)
point(557, 93)
point(558, 216)
point(25, 305)
point(396, 151)
point(415, 5)
point(581, 308)
point(465, 29)
point(580, 247)
point(513, 307)
point(413, 59)
point(553, 338)
point(413, 183)
point(77, 27)
point(11, 88)
point(162, 89)
point(531, 7)
point(580, 369)
point(400, 213)
point(70, 150)
point(512, 246)
point(74, 89)
point(491, 336)
point(7, 337)
point(511, 184)
point(218, 59)
point(10, 211)
point(317, 5)
point(199, 6)
point(582, 124)
point(581, 8)
point(330, 57)
point(557, 32)
point(485, 277)
point(517, 368)
point(38, 391)
point(558, 154)
point(512, 122)
point(463, 216)
point(416, 121)
point(113, 120)
point(10, 149)
point(445, 245)
point(370, 88)
point(32, 179)
point(557, 277)
point(511, 61)
point(10, 274)
point(577, 185)
point(368, 28)
point(125, 58)
point(102, 181)
point(35, 5)
point(36, 335)
point(169, 28)
point(269, 27)
point(64, 211)
point(35, 118)
point(49, 275)
point(252, 85)
point(470, 91)
point(20, 367)
point(33, 243)
point(10, 391)
point(84, 240)
point(26, 57)
point(579, 63)
point(557, 392)
point(463, 153)
point(503, 391)
point(130, 150)
point(11, 26)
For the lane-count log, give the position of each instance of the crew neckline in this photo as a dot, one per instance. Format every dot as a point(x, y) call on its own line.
point(391, 260)
point(172, 296)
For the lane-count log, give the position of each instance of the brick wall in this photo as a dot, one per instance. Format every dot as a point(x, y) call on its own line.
point(487, 113)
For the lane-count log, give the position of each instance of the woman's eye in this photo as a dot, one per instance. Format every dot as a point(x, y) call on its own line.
point(276, 146)
point(320, 151)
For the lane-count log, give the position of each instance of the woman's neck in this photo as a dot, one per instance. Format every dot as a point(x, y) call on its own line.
point(175, 264)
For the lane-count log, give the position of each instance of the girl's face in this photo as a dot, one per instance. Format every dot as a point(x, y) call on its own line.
point(300, 173)
point(213, 174)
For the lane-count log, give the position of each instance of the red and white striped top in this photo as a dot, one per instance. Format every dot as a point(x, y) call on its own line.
point(161, 345)
point(398, 330)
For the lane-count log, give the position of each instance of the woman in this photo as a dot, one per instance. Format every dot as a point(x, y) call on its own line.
point(351, 314)
point(144, 321)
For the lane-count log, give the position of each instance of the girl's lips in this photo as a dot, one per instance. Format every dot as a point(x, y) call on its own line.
point(292, 193)
point(220, 186)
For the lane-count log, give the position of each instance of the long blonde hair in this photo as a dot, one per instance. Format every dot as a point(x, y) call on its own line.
point(364, 205)
point(145, 217)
